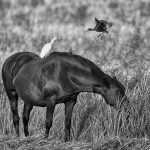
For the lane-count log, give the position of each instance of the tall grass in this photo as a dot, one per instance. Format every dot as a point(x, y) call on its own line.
point(93, 121)
point(92, 118)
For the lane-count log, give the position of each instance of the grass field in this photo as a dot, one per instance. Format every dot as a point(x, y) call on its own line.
point(27, 25)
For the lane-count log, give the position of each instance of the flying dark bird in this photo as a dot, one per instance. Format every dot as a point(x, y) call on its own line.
point(101, 26)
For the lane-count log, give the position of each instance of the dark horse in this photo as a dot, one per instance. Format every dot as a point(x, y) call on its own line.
point(57, 78)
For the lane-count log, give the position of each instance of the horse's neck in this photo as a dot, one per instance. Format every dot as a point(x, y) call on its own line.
point(101, 90)
point(104, 88)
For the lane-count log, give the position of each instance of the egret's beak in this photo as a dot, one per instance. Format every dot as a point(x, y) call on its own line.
point(59, 39)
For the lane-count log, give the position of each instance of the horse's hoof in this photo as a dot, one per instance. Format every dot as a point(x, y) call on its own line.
point(26, 134)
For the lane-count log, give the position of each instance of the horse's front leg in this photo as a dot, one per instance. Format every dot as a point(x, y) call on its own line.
point(49, 115)
point(26, 113)
point(68, 112)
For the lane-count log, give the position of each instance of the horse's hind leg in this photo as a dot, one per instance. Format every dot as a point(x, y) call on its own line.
point(13, 99)
point(26, 113)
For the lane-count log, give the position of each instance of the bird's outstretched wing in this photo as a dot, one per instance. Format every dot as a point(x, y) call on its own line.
point(96, 20)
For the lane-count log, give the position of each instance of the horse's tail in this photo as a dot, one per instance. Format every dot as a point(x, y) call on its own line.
point(47, 48)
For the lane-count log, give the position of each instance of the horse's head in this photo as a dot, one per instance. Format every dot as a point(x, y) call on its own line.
point(115, 94)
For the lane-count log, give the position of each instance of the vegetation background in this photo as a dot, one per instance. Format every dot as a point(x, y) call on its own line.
point(26, 25)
